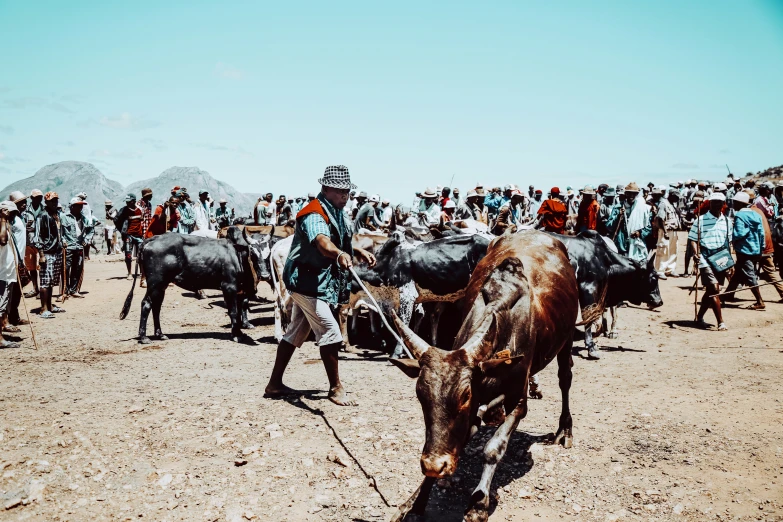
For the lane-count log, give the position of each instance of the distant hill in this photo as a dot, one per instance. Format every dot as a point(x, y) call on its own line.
point(68, 178)
point(194, 179)
point(771, 174)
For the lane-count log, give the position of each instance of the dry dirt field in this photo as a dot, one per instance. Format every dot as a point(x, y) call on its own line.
point(673, 423)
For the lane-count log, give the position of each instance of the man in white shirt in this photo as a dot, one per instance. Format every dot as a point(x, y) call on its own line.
point(203, 212)
point(7, 265)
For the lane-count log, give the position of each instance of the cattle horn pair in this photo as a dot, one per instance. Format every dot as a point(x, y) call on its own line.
point(482, 340)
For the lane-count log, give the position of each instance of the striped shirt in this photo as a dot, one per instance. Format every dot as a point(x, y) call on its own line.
point(715, 233)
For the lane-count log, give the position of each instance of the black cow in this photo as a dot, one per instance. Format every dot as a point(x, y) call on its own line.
point(233, 265)
point(407, 274)
point(607, 278)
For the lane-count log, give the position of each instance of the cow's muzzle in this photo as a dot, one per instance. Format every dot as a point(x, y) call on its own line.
point(438, 466)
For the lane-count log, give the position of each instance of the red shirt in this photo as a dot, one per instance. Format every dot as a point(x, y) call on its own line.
point(588, 216)
point(134, 225)
point(158, 222)
point(554, 214)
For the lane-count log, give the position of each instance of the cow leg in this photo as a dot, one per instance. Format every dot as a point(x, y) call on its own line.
point(146, 306)
point(564, 364)
point(535, 389)
point(612, 333)
point(232, 301)
point(437, 311)
point(478, 509)
point(592, 348)
point(245, 306)
point(417, 503)
point(157, 302)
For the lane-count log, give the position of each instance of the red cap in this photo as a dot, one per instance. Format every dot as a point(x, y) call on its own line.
point(539, 191)
point(555, 190)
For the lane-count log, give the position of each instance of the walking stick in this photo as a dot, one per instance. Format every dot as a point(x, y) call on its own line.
point(19, 282)
point(698, 252)
point(380, 312)
point(64, 286)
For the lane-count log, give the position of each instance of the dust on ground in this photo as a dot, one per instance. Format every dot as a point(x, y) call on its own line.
point(674, 423)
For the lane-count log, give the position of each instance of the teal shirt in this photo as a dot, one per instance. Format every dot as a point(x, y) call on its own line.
point(309, 273)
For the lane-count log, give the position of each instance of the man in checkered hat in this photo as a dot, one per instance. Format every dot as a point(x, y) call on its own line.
point(316, 276)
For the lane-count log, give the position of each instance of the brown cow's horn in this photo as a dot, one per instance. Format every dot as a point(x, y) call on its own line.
point(486, 332)
point(415, 344)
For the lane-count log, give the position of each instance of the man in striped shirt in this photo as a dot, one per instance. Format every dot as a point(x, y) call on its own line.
point(710, 233)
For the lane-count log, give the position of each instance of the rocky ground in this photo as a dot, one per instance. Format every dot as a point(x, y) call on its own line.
point(673, 424)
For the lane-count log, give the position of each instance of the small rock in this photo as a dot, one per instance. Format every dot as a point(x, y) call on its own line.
point(307, 462)
point(577, 508)
point(524, 493)
point(165, 480)
point(138, 408)
point(13, 503)
point(323, 501)
point(239, 462)
point(249, 450)
point(338, 459)
point(275, 434)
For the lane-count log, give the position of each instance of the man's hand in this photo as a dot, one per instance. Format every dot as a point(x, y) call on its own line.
point(344, 261)
point(365, 256)
point(635, 235)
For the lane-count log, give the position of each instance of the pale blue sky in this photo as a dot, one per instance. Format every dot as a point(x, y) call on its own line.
point(407, 94)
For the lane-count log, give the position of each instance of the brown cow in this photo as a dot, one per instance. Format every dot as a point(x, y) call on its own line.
point(521, 306)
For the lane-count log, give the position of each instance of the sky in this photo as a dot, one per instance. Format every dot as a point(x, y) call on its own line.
point(265, 95)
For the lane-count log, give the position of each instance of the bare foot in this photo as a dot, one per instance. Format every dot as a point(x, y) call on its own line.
point(339, 396)
point(273, 392)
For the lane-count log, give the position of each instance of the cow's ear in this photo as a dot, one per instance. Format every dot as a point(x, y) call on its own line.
point(496, 367)
point(410, 367)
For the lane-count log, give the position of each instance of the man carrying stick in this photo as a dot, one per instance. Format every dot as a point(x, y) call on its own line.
point(7, 265)
point(47, 240)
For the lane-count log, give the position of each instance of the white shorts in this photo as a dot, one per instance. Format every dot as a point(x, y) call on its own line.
point(313, 314)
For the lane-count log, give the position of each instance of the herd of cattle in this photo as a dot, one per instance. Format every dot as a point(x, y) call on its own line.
point(520, 297)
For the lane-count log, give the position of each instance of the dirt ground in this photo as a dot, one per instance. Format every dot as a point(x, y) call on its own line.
point(674, 423)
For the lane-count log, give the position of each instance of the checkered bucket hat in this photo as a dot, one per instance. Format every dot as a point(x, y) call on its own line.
point(336, 176)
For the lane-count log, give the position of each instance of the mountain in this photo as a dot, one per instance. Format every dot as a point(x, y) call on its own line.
point(194, 179)
point(68, 178)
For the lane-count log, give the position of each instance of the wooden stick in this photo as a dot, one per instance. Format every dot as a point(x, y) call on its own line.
point(698, 253)
point(746, 288)
point(21, 291)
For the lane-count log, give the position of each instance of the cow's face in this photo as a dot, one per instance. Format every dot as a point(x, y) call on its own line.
point(259, 255)
point(444, 383)
point(444, 391)
point(646, 281)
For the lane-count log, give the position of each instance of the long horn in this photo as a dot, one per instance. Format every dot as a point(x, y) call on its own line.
point(415, 344)
point(485, 333)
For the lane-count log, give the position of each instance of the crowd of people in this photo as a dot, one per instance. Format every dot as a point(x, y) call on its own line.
point(47, 244)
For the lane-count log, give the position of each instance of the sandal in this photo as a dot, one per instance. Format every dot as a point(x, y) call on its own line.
point(8, 344)
point(757, 306)
point(47, 315)
point(11, 329)
point(57, 310)
point(30, 295)
point(22, 322)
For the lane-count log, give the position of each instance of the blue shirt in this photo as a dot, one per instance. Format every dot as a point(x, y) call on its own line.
point(748, 233)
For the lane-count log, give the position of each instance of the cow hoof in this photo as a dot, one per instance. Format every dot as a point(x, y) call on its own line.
point(235, 338)
point(564, 438)
point(247, 326)
point(144, 340)
point(593, 353)
point(162, 337)
point(536, 394)
point(478, 510)
point(613, 335)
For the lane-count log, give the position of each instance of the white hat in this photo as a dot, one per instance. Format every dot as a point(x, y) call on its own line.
point(472, 193)
point(741, 196)
point(16, 196)
point(449, 204)
point(717, 196)
point(719, 186)
point(10, 206)
point(429, 193)
point(375, 198)
point(76, 201)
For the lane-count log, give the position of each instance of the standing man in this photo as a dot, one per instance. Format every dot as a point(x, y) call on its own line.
point(261, 212)
point(713, 227)
point(429, 211)
point(350, 205)
point(367, 218)
point(444, 196)
point(129, 223)
point(767, 262)
point(455, 197)
point(187, 219)
point(47, 240)
point(534, 203)
point(19, 235)
point(145, 204)
point(666, 223)
point(8, 268)
point(315, 274)
point(223, 216)
point(469, 208)
point(510, 214)
point(552, 213)
point(386, 213)
point(749, 243)
point(77, 232)
point(109, 228)
point(763, 200)
point(632, 224)
point(607, 204)
point(31, 253)
point(202, 213)
point(587, 215)
point(165, 218)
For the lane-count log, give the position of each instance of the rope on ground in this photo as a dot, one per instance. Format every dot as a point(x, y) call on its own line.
point(370, 477)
